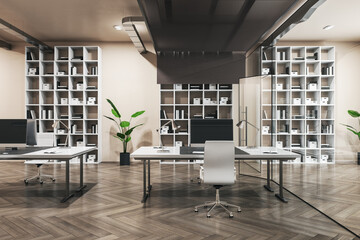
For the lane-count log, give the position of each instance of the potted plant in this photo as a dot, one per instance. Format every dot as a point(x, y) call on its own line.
point(125, 131)
point(354, 114)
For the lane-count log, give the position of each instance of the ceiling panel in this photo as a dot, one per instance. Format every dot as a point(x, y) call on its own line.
point(69, 20)
point(232, 25)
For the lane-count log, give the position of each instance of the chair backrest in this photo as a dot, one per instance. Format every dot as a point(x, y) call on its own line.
point(219, 159)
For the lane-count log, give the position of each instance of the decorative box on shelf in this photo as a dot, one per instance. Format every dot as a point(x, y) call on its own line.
point(197, 101)
point(296, 100)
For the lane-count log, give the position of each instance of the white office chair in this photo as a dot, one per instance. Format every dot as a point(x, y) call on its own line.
point(218, 170)
point(44, 140)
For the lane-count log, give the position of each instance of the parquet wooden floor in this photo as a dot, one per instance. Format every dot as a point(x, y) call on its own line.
point(334, 189)
point(111, 208)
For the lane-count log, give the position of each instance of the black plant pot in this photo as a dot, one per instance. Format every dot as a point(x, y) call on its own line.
point(124, 159)
point(358, 158)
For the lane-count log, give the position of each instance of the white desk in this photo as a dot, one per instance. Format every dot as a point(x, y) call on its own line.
point(150, 153)
point(61, 154)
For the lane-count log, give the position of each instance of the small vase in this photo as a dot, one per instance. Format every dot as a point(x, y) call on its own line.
point(124, 159)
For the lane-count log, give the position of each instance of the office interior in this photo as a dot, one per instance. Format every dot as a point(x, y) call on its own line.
point(323, 197)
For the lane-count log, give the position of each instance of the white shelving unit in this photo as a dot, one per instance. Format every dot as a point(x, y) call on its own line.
point(298, 101)
point(61, 85)
point(180, 98)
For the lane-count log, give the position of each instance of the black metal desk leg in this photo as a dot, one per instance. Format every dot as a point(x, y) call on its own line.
point(145, 195)
point(67, 184)
point(280, 195)
point(267, 186)
point(82, 186)
point(149, 185)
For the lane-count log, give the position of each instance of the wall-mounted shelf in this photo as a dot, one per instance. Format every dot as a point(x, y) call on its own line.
point(298, 101)
point(54, 81)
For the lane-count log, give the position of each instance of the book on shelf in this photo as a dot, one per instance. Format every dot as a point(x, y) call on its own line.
point(265, 114)
point(63, 58)
point(30, 114)
point(163, 114)
point(264, 56)
point(91, 87)
point(64, 116)
point(77, 58)
point(299, 58)
point(197, 116)
point(91, 144)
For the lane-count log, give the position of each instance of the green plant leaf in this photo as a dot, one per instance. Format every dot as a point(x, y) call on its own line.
point(128, 132)
point(124, 124)
point(118, 138)
point(114, 110)
point(120, 135)
point(128, 139)
point(354, 113)
point(110, 118)
point(137, 114)
point(348, 126)
point(114, 113)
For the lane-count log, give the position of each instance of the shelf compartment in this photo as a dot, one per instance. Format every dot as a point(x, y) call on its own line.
point(91, 69)
point(183, 138)
point(32, 83)
point(32, 97)
point(167, 97)
point(91, 53)
point(62, 53)
point(47, 68)
point(76, 54)
point(76, 127)
point(91, 112)
point(61, 68)
point(167, 112)
point(91, 126)
point(181, 97)
point(46, 126)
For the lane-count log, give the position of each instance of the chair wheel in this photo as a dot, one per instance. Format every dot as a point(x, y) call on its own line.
point(26, 181)
point(53, 179)
point(208, 216)
point(239, 210)
point(41, 182)
point(196, 210)
point(231, 216)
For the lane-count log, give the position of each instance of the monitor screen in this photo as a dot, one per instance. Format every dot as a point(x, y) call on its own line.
point(13, 131)
point(211, 129)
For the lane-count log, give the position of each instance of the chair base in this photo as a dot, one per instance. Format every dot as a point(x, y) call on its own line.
point(39, 177)
point(219, 203)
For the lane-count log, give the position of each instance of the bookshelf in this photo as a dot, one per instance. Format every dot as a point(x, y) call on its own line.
point(182, 102)
point(298, 101)
point(64, 85)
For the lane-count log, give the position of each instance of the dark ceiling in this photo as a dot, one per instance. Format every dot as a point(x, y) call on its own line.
point(210, 25)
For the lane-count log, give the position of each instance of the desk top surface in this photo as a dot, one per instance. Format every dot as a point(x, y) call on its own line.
point(152, 153)
point(58, 153)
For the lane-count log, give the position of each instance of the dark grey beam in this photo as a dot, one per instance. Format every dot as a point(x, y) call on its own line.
point(23, 35)
point(240, 20)
point(5, 45)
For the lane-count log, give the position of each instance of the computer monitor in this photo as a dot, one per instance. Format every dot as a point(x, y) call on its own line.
point(210, 129)
point(17, 132)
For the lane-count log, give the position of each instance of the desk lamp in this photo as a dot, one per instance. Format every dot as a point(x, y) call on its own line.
point(241, 125)
point(56, 124)
point(175, 127)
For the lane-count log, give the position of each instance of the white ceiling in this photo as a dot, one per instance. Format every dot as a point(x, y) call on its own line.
point(70, 20)
point(93, 20)
point(343, 14)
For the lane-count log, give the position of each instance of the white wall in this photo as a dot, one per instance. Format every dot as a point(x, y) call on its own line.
point(346, 93)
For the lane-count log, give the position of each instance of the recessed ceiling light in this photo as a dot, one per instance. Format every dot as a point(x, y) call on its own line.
point(328, 27)
point(117, 27)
